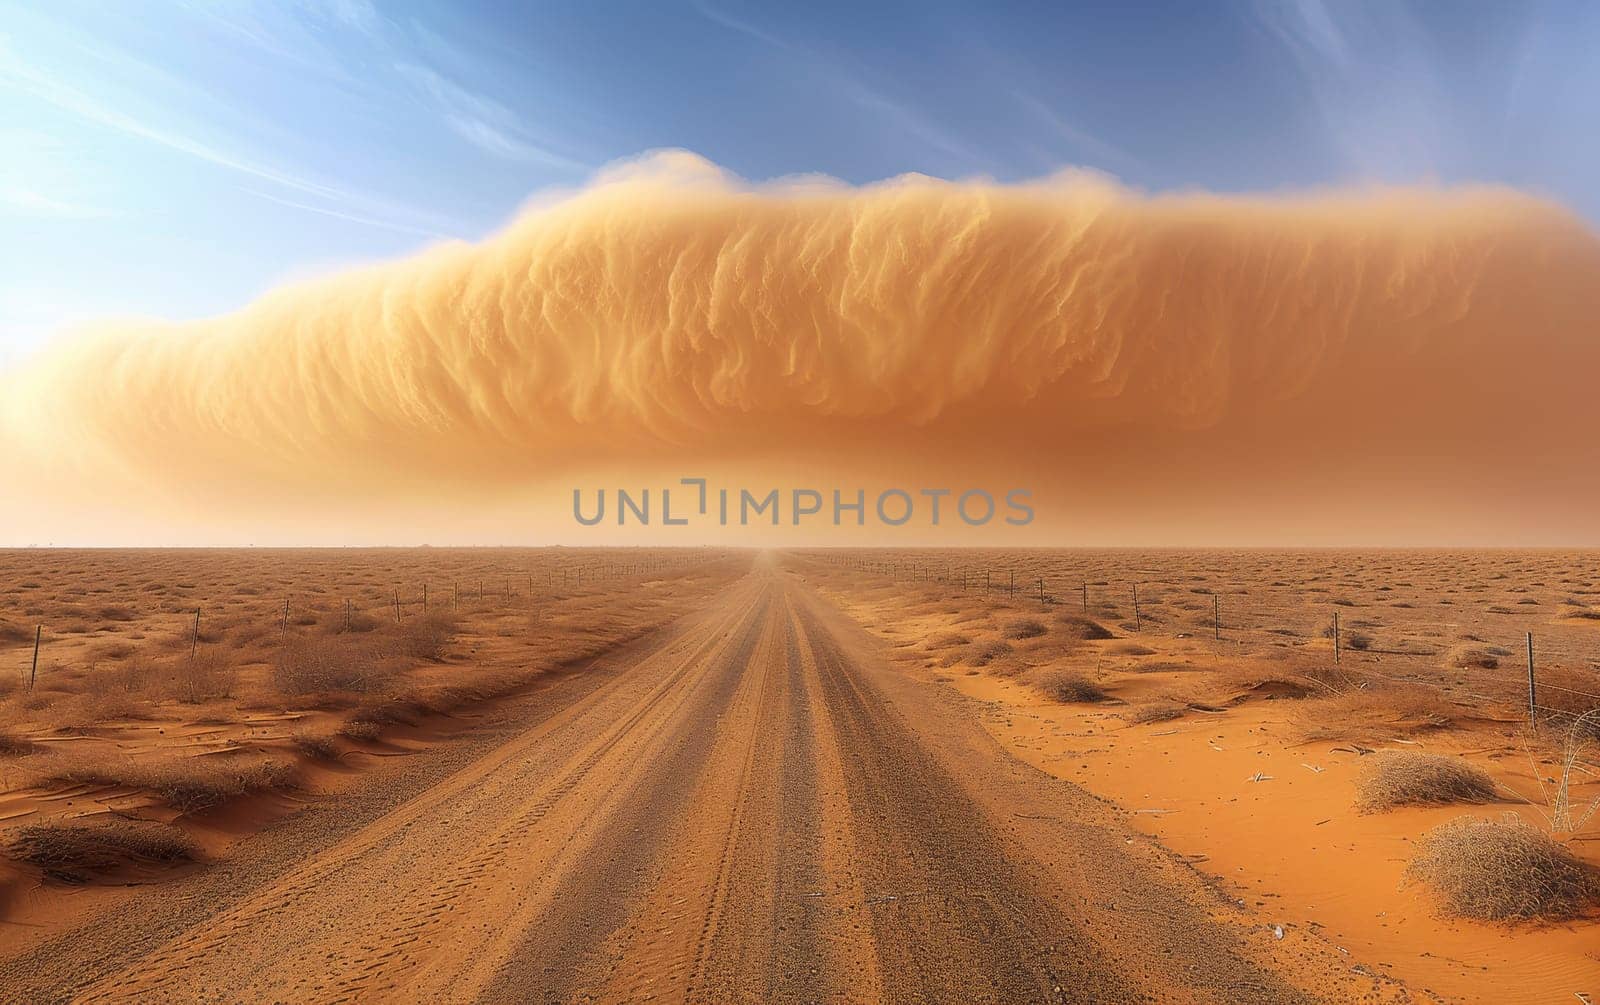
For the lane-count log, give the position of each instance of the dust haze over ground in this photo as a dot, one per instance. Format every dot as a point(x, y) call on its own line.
point(1282, 358)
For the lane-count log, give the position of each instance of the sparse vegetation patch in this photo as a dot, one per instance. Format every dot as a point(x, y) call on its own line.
point(79, 853)
point(1503, 870)
point(1407, 778)
point(1069, 686)
point(1156, 711)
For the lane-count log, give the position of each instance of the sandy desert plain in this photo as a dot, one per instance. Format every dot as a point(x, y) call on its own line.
point(810, 775)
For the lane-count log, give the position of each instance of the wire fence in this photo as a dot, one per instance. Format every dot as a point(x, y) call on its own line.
point(1511, 629)
point(192, 597)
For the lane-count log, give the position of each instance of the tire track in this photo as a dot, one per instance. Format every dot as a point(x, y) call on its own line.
point(950, 918)
point(378, 925)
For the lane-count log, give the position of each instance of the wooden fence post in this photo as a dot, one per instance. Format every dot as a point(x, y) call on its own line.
point(1336, 636)
point(1216, 616)
point(1533, 698)
point(1137, 622)
point(1041, 591)
point(33, 675)
point(194, 643)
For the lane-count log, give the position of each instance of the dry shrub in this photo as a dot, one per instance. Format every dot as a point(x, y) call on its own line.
point(1470, 657)
point(1285, 678)
point(402, 710)
point(1157, 711)
point(1025, 628)
point(330, 663)
point(1565, 689)
point(317, 746)
point(1076, 626)
point(360, 622)
point(1407, 778)
point(12, 745)
point(427, 636)
point(361, 731)
point(1163, 666)
point(207, 675)
point(114, 650)
point(1068, 686)
point(183, 638)
point(360, 663)
point(444, 699)
point(251, 631)
point(369, 720)
point(979, 654)
point(1242, 682)
point(1130, 649)
point(79, 712)
point(947, 640)
point(1561, 813)
point(1378, 712)
point(12, 633)
point(131, 676)
point(35, 701)
point(1503, 870)
point(188, 785)
point(78, 853)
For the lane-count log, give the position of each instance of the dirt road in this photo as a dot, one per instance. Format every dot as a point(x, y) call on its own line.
point(758, 807)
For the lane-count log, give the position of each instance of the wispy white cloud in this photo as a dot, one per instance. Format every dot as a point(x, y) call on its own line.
point(39, 177)
point(1367, 74)
point(339, 214)
point(54, 89)
point(25, 201)
point(911, 122)
point(483, 122)
point(1307, 28)
point(899, 114)
point(726, 20)
point(300, 31)
point(359, 14)
point(1102, 152)
point(271, 24)
point(64, 96)
point(314, 37)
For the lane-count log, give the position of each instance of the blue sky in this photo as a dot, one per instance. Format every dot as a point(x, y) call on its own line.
point(175, 159)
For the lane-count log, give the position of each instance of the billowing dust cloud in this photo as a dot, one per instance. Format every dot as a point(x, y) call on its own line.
point(1364, 366)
